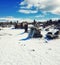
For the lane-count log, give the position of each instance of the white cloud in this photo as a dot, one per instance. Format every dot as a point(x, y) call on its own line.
point(56, 11)
point(55, 19)
point(39, 16)
point(22, 3)
point(44, 20)
point(13, 19)
point(27, 11)
point(52, 6)
point(8, 18)
point(26, 7)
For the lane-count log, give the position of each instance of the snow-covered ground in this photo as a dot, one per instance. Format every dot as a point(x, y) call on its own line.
point(14, 51)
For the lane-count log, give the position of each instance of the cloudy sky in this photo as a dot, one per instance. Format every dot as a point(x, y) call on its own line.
point(29, 10)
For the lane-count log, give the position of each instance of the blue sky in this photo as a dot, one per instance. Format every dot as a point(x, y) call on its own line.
point(9, 8)
point(29, 9)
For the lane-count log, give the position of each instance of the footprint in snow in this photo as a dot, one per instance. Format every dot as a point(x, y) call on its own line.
point(49, 49)
point(33, 50)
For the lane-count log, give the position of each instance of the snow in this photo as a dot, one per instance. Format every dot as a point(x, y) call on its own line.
point(29, 52)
